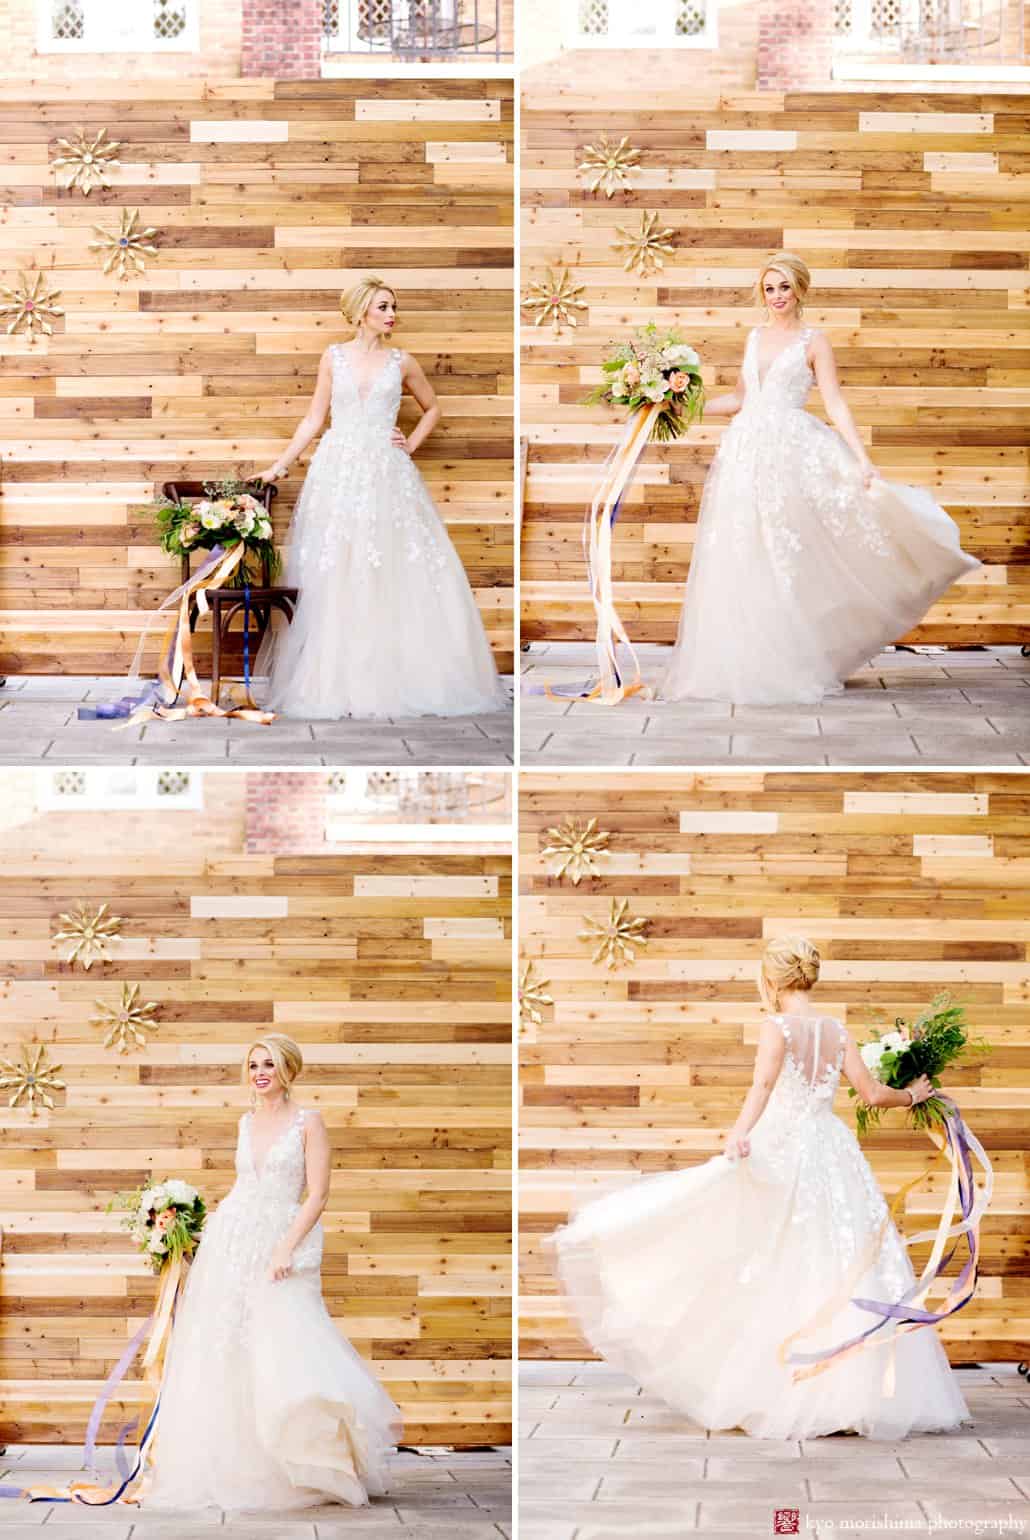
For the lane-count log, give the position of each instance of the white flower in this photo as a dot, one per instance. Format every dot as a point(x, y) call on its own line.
point(679, 353)
point(244, 521)
point(212, 518)
point(872, 1053)
point(158, 1245)
point(180, 1192)
point(264, 529)
point(894, 1039)
point(656, 392)
point(153, 1198)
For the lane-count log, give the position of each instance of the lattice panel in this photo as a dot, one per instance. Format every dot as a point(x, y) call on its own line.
point(842, 17)
point(885, 17)
point(690, 18)
point(170, 19)
point(68, 20)
point(593, 18)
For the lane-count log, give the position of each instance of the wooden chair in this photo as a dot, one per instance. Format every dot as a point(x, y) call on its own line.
point(227, 603)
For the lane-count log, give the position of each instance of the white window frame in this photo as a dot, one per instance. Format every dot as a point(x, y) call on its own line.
point(623, 34)
point(117, 26)
point(344, 824)
point(122, 788)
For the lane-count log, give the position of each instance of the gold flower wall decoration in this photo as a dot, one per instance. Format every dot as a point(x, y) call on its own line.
point(90, 932)
point(127, 1023)
point(617, 935)
point(85, 162)
point(31, 1081)
point(576, 848)
point(645, 248)
point(127, 247)
point(556, 299)
point(30, 305)
point(532, 997)
point(610, 165)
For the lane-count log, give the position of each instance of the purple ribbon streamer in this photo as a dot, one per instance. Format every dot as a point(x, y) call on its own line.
point(117, 1374)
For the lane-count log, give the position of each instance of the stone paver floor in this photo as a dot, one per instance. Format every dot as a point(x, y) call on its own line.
point(38, 724)
point(600, 1460)
point(435, 1494)
point(937, 708)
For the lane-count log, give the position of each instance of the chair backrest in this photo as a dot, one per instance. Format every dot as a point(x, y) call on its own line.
point(193, 491)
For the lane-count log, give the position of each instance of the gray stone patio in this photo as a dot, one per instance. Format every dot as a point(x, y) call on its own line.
point(599, 1460)
point(937, 708)
point(437, 1494)
point(38, 723)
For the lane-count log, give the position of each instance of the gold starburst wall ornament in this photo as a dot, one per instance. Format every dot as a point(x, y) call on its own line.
point(617, 935)
point(576, 847)
point(556, 299)
point(609, 164)
point(127, 247)
point(532, 997)
point(127, 1023)
point(85, 162)
point(646, 248)
point(30, 305)
point(31, 1081)
point(90, 932)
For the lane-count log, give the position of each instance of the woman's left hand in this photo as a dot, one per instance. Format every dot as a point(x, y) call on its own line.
point(281, 1264)
point(869, 473)
point(399, 439)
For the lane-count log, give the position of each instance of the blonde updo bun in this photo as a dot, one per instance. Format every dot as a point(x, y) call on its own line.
point(356, 301)
point(790, 963)
point(285, 1055)
point(793, 269)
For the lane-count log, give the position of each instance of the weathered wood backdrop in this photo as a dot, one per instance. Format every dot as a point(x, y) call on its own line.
point(269, 198)
point(911, 213)
point(392, 971)
point(909, 884)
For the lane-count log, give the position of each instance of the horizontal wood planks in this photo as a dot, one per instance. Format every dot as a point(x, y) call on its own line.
point(269, 199)
point(911, 213)
point(909, 885)
point(401, 999)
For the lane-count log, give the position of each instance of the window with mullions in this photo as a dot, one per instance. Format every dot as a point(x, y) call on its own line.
point(100, 26)
point(642, 23)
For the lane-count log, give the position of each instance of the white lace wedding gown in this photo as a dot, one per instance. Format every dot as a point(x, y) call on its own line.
point(265, 1405)
point(386, 624)
point(690, 1281)
point(799, 573)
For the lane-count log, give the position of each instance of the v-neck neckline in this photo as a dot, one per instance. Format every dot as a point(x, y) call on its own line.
point(260, 1170)
point(364, 395)
point(762, 378)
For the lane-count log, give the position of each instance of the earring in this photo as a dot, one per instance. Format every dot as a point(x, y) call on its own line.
point(286, 1093)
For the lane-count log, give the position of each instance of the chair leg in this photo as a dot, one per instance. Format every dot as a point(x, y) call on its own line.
point(216, 650)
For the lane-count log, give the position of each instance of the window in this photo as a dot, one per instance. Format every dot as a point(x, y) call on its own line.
point(924, 39)
point(126, 789)
point(642, 23)
point(102, 26)
point(454, 806)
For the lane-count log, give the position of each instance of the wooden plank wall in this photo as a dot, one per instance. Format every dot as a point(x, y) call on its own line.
point(270, 198)
point(392, 971)
point(909, 884)
point(911, 213)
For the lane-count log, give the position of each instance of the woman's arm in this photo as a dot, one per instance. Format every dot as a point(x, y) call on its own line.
point(310, 423)
point(872, 1091)
point(728, 404)
point(768, 1059)
point(316, 1165)
point(417, 385)
point(837, 409)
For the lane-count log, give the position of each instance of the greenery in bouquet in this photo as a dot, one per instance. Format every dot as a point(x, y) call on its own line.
point(227, 515)
point(654, 368)
point(934, 1042)
point(165, 1220)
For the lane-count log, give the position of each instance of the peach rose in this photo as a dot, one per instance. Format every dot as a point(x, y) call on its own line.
point(631, 374)
point(677, 381)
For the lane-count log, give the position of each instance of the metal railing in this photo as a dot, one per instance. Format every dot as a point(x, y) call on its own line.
point(933, 32)
point(418, 30)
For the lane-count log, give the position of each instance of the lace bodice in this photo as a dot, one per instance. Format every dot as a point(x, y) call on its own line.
point(373, 408)
point(788, 379)
point(812, 1062)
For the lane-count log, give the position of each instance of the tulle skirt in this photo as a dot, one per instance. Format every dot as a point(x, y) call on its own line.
point(386, 625)
point(800, 574)
point(690, 1281)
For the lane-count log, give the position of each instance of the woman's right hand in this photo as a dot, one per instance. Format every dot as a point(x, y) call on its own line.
point(737, 1145)
point(274, 472)
point(921, 1089)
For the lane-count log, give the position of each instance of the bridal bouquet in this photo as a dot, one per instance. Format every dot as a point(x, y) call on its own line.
point(936, 1039)
point(165, 1221)
point(227, 516)
point(655, 368)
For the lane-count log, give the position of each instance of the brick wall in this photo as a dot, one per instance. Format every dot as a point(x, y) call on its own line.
point(217, 56)
point(282, 38)
point(286, 812)
point(794, 45)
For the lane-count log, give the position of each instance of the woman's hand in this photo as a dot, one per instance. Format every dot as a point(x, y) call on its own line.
point(275, 472)
point(281, 1264)
point(920, 1089)
point(399, 440)
point(868, 472)
point(737, 1145)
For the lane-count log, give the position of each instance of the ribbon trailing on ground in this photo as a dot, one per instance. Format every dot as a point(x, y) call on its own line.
point(956, 1141)
point(128, 1487)
point(176, 667)
point(610, 686)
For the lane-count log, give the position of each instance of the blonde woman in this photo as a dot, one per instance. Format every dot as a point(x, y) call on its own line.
point(690, 1281)
point(806, 563)
point(386, 625)
point(265, 1405)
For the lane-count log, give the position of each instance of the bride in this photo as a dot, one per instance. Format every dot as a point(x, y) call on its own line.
point(265, 1405)
point(690, 1280)
point(386, 624)
point(806, 563)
